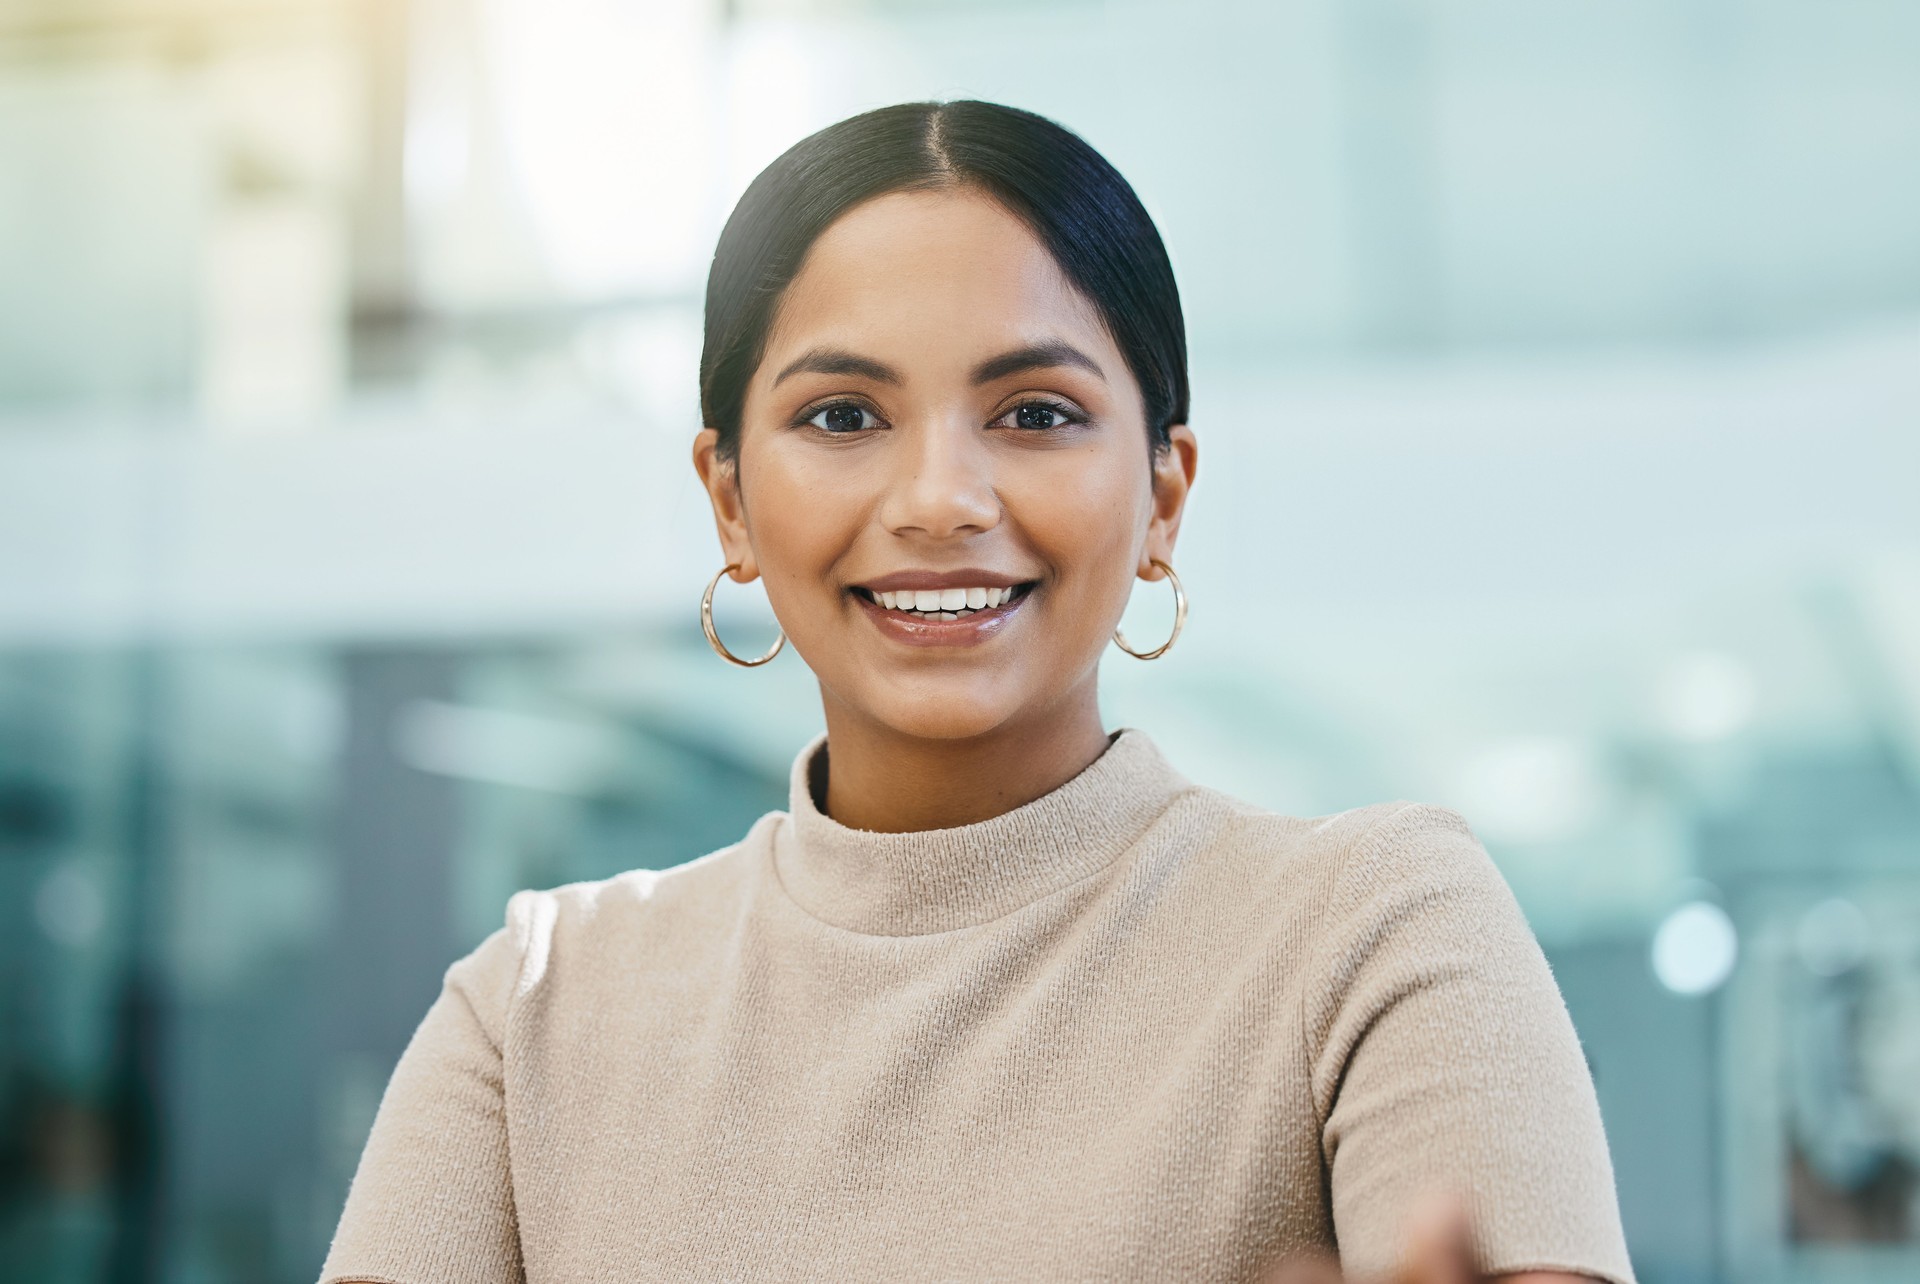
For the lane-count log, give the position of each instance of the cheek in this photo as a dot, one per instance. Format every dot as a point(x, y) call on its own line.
point(798, 516)
point(1086, 509)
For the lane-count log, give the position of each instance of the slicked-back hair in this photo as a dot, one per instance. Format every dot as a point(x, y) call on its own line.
point(1076, 203)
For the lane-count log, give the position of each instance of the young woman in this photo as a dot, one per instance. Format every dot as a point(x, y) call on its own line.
point(1002, 996)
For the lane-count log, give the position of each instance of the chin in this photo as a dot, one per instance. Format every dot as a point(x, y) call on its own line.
point(940, 710)
point(958, 719)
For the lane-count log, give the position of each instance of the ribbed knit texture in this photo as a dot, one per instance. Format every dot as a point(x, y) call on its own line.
point(1134, 1030)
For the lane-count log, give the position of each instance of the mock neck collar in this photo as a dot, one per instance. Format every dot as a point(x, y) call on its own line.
point(936, 880)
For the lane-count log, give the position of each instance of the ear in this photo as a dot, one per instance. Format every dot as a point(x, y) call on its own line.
point(1173, 472)
point(722, 481)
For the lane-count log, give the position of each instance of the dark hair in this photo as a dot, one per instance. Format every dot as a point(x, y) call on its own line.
point(1079, 206)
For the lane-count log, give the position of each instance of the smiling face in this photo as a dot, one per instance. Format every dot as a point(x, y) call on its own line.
point(944, 473)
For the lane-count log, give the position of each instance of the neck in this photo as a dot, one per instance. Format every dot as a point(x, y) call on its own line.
point(882, 780)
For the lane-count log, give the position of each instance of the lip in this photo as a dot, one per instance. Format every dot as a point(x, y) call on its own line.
point(966, 577)
point(970, 630)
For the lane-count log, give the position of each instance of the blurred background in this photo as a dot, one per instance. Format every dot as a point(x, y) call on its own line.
point(1557, 374)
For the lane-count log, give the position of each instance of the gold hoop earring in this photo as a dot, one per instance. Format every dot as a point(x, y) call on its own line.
point(713, 638)
point(1179, 619)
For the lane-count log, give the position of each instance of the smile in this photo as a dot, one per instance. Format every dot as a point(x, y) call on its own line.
point(951, 615)
point(944, 604)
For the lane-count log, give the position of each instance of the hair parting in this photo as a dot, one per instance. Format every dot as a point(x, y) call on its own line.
point(1075, 202)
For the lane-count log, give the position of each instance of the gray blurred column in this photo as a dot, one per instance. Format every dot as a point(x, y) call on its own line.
point(394, 836)
point(1651, 1053)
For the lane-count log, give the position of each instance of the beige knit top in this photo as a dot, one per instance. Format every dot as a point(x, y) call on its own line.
point(1134, 1030)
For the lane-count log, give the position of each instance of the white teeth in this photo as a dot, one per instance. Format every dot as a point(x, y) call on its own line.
point(944, 604)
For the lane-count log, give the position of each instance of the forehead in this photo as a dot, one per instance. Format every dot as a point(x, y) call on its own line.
point(945, 276)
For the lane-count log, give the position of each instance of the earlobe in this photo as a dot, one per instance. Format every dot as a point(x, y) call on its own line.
point(721, 480)
point(1174, 467)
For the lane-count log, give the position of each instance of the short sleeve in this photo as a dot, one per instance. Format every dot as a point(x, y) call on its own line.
point(432, 1199)
point(1444, 1060)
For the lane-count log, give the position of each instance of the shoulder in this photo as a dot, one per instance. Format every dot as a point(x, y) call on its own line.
point(576, 932)
point(1346, 854)
point(1405, 845)
point(1324, 892)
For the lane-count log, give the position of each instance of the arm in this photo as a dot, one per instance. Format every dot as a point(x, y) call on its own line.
point(1444, 1061)
point(432, 1199)
point(1439, 1251)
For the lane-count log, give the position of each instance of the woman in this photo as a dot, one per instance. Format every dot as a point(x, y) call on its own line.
point(1002, 996)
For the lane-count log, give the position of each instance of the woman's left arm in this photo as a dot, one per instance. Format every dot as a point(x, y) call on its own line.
point(1444, 1062)
point(1439, 1250)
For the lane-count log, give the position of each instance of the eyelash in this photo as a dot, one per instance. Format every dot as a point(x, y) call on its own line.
point(1071, 417)
point(806, 417)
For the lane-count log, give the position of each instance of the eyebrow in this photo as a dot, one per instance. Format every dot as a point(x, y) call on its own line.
point(838, 361)
point(1037, 356)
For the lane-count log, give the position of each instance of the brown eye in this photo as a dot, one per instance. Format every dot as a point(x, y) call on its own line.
point(843, 416)
point(1041, 416)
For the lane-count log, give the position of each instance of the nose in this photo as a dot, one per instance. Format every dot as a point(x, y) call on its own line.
point(942, 485)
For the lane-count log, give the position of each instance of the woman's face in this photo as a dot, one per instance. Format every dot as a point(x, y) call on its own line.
point(944, 474)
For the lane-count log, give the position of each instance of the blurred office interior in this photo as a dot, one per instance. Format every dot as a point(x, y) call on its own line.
point(1557, 374)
